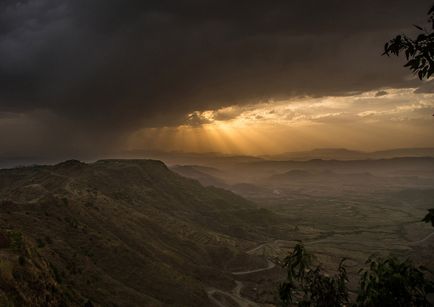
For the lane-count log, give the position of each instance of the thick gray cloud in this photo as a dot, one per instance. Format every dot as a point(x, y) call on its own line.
point(107, 67)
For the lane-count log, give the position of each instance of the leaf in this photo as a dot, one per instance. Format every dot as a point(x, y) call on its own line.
point(420, 37)
point(386, 49)
point(412, 63)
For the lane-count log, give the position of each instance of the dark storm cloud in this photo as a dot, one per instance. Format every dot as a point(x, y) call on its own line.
point(112, 65)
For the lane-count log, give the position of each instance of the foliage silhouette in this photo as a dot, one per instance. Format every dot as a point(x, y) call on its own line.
point(310, 286)
point(391, 282)
point(429, 218)
point(418, 51)
point(385, 281)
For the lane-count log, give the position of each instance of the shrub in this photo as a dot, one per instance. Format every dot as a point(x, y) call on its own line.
point(384, 282)
point(16, 239)
point(391, 282)
point(307, 286)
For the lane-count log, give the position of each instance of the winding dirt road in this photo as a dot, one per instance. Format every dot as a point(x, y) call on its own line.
point(235, 294)
point(268, 267)
point(422, 240)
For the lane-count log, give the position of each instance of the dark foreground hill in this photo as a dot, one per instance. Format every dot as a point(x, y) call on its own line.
point(120, 233)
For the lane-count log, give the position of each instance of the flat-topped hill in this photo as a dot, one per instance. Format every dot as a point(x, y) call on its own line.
point(118, 232)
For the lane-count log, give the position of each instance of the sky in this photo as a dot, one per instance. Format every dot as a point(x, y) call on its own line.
point(89, 78)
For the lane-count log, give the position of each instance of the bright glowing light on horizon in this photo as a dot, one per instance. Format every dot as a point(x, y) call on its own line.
point(365, 121)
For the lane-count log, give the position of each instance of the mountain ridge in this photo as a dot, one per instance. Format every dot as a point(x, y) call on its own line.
point(123, 231)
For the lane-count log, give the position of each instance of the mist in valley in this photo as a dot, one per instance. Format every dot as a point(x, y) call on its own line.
point(339, 209)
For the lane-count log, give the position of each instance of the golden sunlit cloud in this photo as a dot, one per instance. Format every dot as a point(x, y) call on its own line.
point(366, 121)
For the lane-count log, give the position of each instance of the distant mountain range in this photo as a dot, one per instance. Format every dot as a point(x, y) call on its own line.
point(216, 159)
point(346, 154)
point(251, 179)
point(378, 166)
